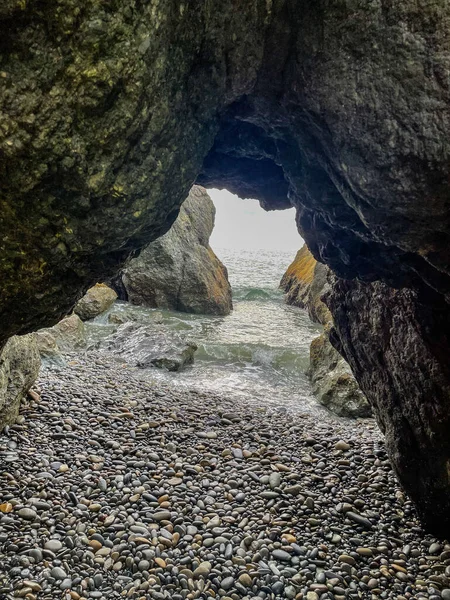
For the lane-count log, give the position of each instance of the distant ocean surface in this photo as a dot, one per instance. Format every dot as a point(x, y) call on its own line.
point(260, 352)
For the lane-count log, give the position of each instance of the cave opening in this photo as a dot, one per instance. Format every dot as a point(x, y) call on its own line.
point(110, 112)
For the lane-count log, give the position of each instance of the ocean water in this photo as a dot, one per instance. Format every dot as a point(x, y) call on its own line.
point(260, 352)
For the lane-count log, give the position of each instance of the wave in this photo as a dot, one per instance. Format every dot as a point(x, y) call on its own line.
point(255, 293)
point(285, 360)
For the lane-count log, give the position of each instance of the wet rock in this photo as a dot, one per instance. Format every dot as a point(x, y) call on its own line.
point(180, 271)
point(297, 279)
point(19, 369)
point(96, 301)
point(146, 346)
point(333, 382)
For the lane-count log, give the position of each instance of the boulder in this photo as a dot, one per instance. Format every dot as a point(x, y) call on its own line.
point(150, 346)
point(19, 368)
point(334, 385)
point(179, 271)
point(298, 278)
point(96, 301)
point(66, 336)
point(333, 382)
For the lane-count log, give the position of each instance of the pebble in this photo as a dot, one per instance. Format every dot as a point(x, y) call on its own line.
point(27, 513)
point(169, 493)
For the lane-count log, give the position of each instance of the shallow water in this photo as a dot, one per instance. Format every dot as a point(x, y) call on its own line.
point(259, 353)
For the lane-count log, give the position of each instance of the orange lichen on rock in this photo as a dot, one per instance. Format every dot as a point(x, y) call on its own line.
point(303, 265)
point(299, 277)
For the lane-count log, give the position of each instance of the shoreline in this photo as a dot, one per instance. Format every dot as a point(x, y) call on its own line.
point(121, 487)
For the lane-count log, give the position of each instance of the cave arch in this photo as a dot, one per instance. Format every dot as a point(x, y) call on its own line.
point(110, 112)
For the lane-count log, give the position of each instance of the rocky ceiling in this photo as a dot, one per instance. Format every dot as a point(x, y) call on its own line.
point(111, 110)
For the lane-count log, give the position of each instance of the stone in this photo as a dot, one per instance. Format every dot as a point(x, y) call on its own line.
point(203, 569)
point(47, 345)
point(19, 369)
point(53, 545)
point(333, 383)
point(27, 513)
point(179, 271)
point(341, 445)
point(66, 336)
point(97, 300)
point(58, 573)
point(227, 583)
point(150, 346)
point(245, 580)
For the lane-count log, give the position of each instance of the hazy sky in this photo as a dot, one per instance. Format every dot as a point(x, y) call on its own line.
point(243, 224)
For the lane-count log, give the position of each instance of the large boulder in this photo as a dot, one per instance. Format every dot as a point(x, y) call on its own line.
point(332, 380)
point(179, 271)
point(96, 301)
point(19, 368)
point(150, 346)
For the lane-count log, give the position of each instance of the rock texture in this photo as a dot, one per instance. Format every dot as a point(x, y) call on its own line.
point(19, 368)
point(333, 383)
point(110, 111)
point(66, 336)
point(150, 346)
point(179, 271)
point(96, 301)
point(297, 280)
point(396, 340)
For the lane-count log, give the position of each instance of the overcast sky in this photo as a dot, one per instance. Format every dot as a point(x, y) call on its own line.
point(244, 225)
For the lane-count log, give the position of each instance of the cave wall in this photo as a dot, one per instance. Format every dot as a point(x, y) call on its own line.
point(110, 111)
point(398, 345)
point(107, 111)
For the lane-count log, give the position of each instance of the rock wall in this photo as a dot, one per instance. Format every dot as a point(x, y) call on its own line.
point(333, 383)
point(19, 368)
point(111, 111)
point(396, 340)
point(179, 271)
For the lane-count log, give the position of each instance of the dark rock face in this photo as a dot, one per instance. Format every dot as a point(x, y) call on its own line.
point(179, 271)
point(334, 386)
point(110, 111)
point(398, 346)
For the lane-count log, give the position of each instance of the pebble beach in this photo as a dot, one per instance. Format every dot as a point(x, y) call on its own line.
point(113, 486)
